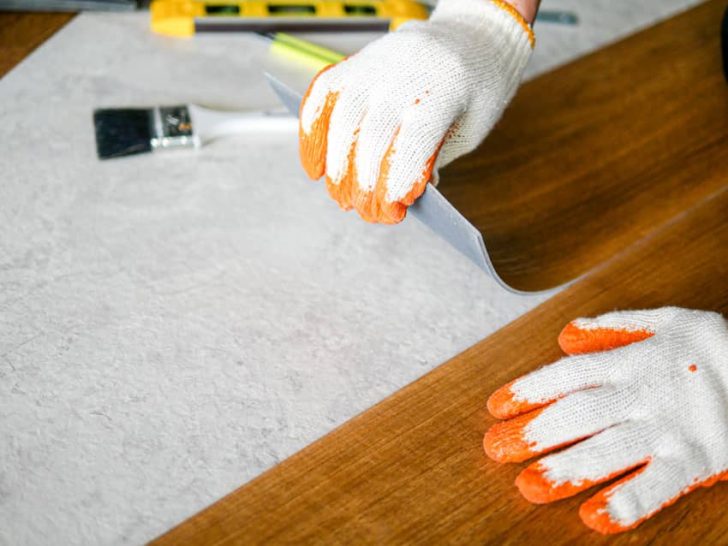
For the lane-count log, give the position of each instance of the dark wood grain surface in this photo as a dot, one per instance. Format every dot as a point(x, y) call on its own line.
point(21, 33)
point(593, 156)
point(411, 469)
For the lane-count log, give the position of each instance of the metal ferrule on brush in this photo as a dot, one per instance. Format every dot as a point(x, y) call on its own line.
point(172, 128)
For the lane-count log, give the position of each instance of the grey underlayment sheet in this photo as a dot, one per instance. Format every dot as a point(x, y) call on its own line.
point(172, 325)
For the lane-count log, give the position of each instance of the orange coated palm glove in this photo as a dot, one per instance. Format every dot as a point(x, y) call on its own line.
point(379, 122)
point(647, 399)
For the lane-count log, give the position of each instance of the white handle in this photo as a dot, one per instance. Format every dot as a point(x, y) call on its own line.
point(211, 124)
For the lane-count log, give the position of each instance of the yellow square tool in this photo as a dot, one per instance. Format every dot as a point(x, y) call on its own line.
point(186, 17)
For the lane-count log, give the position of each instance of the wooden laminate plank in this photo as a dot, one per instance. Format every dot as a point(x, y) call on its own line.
point(596, 154)
point(412, 469)
point(21, 33)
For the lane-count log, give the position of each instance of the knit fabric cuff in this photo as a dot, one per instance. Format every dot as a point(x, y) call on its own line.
point(479, 12)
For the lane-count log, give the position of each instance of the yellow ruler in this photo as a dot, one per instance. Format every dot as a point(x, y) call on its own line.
point(187, 17)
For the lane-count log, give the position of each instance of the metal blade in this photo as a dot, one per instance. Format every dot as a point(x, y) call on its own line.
point(432, 209)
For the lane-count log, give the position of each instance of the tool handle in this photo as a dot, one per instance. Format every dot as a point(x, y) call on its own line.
point(314, 55)
point(211, 124)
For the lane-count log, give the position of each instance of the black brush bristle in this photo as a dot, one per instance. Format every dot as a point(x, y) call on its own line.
point(123, 131)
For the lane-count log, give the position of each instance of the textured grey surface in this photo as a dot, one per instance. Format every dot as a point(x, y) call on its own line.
point(172, 325)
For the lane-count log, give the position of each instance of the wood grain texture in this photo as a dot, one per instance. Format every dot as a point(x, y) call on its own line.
point(411, 469)
point(593, 156)
point(21, 33)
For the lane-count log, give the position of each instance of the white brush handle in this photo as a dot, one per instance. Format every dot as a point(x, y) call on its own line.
point(210, 124)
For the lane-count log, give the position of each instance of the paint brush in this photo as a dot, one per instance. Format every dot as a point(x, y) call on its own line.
point(127, 131)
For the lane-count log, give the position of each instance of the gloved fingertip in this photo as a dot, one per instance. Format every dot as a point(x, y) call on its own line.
point(570, 338)
point(594, 513)
point(576, 339)
point(536, 487)
point(417, 188)
point(506, 443)
point(344, 191)
point(504, 404)
point(393, 213)
point(313, 141)
point(391, 197)
point(492, 448)
point(370, 209)
point(501, 403)
point(373, 208)
point(312, 160)
point(339, 193)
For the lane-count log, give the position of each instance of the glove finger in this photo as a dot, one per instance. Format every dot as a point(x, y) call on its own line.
point(598, 459)
point(406, 165)
point(638, 496)
point(611, 330)
point(378, 129)
point(549, 383)
point(575, 417)
point(376, 134)
point(316, 109)
point(347, 115)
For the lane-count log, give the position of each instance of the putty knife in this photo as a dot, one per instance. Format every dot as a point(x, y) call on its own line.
point(432, 209)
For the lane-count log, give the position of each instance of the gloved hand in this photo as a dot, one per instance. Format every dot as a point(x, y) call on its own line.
point(649, 396)
point(379, 122)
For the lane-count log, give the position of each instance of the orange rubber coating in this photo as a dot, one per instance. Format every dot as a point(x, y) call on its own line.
point(392, 212)
point(312, 145)
point(538, 489)
point(502, 404)
point(343, 192)
point(574, 340)
point(373, 206)
point(506, 443)
point(595, 515)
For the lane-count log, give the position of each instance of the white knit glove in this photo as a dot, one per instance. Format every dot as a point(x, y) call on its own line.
point(657, 409)
point(378, 122)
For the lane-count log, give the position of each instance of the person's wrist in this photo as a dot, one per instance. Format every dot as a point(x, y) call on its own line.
point(527, 8)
